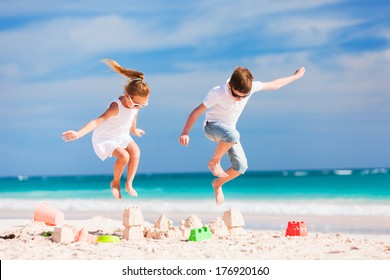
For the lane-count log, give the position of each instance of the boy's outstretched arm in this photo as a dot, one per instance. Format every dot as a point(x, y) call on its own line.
point(281, 82)
point(184, 137)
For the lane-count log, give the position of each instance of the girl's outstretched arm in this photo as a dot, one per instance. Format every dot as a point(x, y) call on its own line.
point(281, 82)
point(72, 135)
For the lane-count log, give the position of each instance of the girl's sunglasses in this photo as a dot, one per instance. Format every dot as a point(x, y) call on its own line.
point(137, 105)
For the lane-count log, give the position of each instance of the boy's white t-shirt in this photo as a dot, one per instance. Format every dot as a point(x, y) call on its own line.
point(221, 106)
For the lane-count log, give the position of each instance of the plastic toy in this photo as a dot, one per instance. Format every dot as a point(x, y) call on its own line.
point(108, 238)
point(199, 234)
point(49, 215)
point(296, 229)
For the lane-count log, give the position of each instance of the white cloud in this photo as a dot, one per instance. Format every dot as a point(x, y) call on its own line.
point(307, 31)
point(10, 71)
point(45, 45)
point(10, 8)
point(345, 84)
point(40, 56)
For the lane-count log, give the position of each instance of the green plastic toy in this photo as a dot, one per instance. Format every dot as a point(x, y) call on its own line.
point(199, 234)
point(108, 238)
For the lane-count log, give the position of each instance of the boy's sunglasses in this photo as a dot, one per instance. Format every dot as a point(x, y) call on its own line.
point(238, 96)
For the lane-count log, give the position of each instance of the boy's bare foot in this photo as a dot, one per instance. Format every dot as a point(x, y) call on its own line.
point(219, 197)
point(131, 190)
point(216, 169)
point(116, 190)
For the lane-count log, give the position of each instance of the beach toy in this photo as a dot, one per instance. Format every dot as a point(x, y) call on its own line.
point(296, 229)
point(199, 234)
point(49, 215)
point(47, 234)
point(108, 239)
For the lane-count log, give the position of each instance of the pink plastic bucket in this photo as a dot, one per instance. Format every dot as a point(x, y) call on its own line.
point(49, 215)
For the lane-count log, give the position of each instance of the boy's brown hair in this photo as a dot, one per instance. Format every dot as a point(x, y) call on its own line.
point(241, 80)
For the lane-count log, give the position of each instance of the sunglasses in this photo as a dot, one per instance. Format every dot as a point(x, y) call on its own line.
point(137, 105)
point(238, 96)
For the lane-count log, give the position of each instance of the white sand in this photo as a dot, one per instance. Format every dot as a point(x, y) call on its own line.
point(29, 244)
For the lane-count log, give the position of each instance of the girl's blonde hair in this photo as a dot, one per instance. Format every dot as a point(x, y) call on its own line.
point(136, 86)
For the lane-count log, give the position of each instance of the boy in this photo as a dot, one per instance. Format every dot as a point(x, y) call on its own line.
point(223, 105)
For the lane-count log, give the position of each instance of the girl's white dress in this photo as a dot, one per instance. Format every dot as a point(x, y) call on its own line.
point(114, 132)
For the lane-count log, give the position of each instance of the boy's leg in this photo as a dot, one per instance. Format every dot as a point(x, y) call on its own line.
point(239, 166)
point(226, 137)
point(218, 182)
point(134, 153)
point(215, 162)
point(122, 159)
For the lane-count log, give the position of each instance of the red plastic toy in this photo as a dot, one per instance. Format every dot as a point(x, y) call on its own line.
point(296, 229)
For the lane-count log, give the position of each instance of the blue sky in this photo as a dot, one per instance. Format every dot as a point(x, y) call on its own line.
point(51, 80)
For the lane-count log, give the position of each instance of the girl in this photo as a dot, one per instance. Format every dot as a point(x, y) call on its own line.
point(111, 130)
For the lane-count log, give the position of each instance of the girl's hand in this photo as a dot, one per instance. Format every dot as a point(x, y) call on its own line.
point(70, 135)
point(184, 139)
point(138, 132)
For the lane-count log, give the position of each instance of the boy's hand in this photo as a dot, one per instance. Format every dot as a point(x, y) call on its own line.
point(184, 139)
point(70, 135)
point(300, 72)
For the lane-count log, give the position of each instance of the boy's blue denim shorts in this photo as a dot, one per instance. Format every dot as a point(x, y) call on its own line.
point(216, 131)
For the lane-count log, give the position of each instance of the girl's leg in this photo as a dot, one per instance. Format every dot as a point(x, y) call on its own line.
point(215, 163)
point(134, 153)
point(122, 159)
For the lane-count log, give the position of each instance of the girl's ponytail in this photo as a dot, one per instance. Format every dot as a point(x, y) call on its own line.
point(137, 85)
point(130, 73)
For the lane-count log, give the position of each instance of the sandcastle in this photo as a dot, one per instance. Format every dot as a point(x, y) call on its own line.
point(234, 221)
point(218, 227)
point(64, 234)
point(136, 228)
point(188, 224)
point(69, 234)
point(162, 228)
point(133, 220)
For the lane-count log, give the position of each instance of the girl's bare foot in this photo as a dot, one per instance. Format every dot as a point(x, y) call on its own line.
point(116, 190)
point(129, 188)
point(219, 197)
point(216, 169)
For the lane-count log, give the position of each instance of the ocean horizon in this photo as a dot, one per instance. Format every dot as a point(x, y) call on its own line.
point(345, 192)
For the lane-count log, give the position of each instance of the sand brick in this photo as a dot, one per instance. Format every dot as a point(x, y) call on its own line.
point(163, 223)
point(133, 233)
point(64, 234)
point(132, 216)
point(233, 218)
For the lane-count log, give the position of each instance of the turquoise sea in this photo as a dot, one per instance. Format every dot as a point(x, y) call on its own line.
point(357, 192)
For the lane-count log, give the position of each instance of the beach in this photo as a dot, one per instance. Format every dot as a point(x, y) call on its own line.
point(347, 216)
point(167, 248)
point(22, 239)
